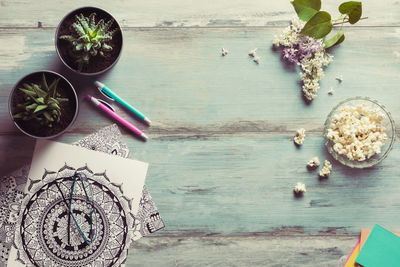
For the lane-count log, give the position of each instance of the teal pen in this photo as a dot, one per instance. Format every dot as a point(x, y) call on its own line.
point(113, 96)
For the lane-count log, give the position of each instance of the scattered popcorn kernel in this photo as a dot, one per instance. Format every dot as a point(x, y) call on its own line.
point(313, 163)
point(252, 53)
point(326, 170)
point(339, 78)
point(224, 52)
point(299, 189)
point(331, 91)
point(299, 137)
point(256, 60)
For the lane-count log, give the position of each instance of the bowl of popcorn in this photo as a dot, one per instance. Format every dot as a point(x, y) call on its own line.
point(359, 132)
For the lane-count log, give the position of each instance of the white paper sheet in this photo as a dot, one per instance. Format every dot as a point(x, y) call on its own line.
point(52, 156)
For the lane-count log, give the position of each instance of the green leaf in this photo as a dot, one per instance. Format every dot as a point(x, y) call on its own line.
point(81, 19)
point(48, 116)
point(27, 86)
point(53, 100)
point(106, 47)
point(39, 100)
point(99, 26)
point(353, 9)
point(28, 92)
point(109, 23)
point(93, 52)
point(87, 47)
point(78, 28)
point(61, 99)
point(55, 106)
point(31, 106)
point(39, 108)
point(18, 115)
point(78, 47)
point(318, 26)
point(111, 33)
point(46, 87)
point(305, 9)
point(86, 57)
point(53, 87)
point(335, 40)
point(39, 91)
point(92, 21)
point(67, 37)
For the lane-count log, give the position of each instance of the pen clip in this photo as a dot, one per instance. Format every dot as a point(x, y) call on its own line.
point(106, 104)
point(102, 92)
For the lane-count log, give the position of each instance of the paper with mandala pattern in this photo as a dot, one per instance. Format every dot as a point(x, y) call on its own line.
point(108, 140)
point(42, 238)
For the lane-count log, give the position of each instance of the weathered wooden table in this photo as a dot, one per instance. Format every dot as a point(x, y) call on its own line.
point(222, 166)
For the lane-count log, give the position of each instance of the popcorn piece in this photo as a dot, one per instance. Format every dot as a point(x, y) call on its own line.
point(357, 132)
point(326, 170)
point(224, 52)
point(252, 53)
point(339, 78)
point(331, 91)
point(256, 60)
point(313, 163)
point(299, 189)
point(299, 137)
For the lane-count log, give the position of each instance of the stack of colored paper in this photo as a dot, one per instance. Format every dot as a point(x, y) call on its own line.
point(375, 248)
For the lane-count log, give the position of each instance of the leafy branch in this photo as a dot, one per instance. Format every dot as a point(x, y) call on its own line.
point(319, 23)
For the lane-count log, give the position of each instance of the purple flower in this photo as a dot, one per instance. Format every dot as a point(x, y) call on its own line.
point(291, 54)
point(308, 46)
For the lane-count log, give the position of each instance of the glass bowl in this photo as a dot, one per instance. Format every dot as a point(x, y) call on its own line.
point(387, 122)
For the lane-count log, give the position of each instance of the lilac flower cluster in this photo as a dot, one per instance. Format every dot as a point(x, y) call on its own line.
point(306, 52)
point(307, 47)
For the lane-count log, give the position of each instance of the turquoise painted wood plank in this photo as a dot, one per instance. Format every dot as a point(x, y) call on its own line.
point(241, 251)
point(178, 13)
point(243, 184)
point(178, 78)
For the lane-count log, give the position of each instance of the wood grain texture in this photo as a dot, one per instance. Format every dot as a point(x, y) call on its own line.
point(222, 165)
point(178, 77)
point(239, 185)
point(241, 251)
point(184, 13)
point(220, 131)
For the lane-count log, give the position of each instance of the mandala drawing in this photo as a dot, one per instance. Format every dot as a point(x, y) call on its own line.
point(108, 140)
point(44, 236)
point(11, 194)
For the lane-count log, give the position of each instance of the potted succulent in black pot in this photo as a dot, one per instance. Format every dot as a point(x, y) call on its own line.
point(89, 40)
point(43, 104)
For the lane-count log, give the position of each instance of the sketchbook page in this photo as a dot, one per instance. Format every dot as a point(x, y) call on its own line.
point(51, 156)
point(117, 185)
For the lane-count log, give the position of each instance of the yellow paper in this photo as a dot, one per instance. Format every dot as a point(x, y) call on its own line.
point(351, 260)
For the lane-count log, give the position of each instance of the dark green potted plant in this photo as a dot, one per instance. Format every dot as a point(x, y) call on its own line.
point(89, 40)
point(43, 104)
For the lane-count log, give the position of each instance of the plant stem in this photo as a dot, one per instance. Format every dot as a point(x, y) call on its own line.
point(340, 18)
point(338, 23)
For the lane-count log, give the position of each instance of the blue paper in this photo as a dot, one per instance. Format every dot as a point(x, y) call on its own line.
point(382, 248)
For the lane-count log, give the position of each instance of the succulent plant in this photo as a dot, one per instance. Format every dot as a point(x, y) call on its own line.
point(41, 103)
point(92, 38)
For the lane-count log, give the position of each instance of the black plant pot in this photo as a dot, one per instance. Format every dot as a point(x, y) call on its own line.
point(97, 64)
point(69, 109)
